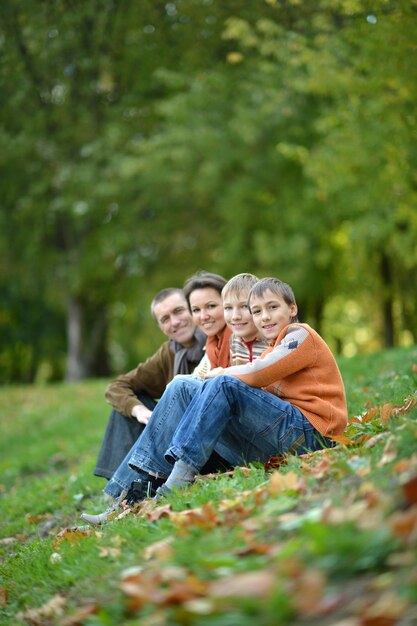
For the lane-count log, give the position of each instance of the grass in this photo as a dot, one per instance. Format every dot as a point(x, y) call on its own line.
point(319, 540)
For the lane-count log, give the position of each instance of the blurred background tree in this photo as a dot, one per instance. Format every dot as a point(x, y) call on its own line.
point(143, 141)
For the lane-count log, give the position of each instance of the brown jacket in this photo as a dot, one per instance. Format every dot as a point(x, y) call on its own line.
point(150, 377)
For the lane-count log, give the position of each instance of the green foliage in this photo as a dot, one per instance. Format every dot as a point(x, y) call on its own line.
point(141, 143)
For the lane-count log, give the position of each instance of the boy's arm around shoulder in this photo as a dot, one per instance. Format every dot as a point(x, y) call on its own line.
point(291, 352)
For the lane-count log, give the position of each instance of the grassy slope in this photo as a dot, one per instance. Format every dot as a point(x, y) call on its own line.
point(328, 537)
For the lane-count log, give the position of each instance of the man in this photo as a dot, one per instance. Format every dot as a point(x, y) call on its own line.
point(133, 395)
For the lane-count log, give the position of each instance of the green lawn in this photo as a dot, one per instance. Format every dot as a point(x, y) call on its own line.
point(326, 539)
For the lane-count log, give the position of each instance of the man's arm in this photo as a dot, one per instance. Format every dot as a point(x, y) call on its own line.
point(150, 377)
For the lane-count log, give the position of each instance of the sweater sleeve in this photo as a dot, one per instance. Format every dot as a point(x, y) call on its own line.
point(276, 362)
point(150, 377)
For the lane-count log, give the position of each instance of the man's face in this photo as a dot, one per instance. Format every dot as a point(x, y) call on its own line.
point(174, 319)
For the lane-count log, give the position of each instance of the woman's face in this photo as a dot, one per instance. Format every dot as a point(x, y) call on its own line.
point(207, 310)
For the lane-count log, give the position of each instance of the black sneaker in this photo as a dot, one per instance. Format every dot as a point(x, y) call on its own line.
point(141, 489)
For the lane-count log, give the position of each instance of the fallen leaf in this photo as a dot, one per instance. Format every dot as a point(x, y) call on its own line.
point(386, 413)
point(410, 490)
point(307, 592)
point(80, 616)
point(106, 552)
point(404, 523)
point(385, 611)
point(161, 511)
point(52, 609)
point(4, 595)
point(71, 535)
point(36, 519)
point(258, 584)
point(283, 482)
point(159, 549)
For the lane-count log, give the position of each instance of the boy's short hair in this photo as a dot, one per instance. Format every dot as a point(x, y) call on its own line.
point(163, 295)
point(276, 286)
point(238, 284)
point(203, 280)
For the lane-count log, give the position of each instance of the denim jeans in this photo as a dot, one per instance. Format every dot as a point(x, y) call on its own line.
point(120, 435)
point(147, 453)
point(250, 423)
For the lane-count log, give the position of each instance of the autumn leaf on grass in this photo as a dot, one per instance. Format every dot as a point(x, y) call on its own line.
point(258, 584)
point(140, 588)
point(71, 535)
point(386, 610)
point(307, 591)
point(36, 519)
point(3, 597)
point(404, 524)
point(284, 482)
point(51, 610)
point(154, 514)
point(159, 549)
point(108, 552)
point(409, 488)
point(79, 618)
point(202, 517)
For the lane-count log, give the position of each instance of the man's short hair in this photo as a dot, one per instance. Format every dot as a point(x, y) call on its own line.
point(163, 295)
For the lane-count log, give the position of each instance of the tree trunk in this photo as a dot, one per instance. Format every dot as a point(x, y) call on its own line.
point(387, 301)
point(76, 369)
point(87, 353)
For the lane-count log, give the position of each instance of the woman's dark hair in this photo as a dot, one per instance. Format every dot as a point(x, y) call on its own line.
point(202, 280)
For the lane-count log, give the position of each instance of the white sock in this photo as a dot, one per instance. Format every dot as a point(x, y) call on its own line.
point(181, 476)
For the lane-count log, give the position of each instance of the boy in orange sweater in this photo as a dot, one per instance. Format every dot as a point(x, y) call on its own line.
point(290, 400)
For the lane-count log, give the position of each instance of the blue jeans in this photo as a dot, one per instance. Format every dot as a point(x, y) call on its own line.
point(250, 423)
point(147, 453)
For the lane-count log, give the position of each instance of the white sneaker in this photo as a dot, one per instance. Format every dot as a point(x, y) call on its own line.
point(110, 513)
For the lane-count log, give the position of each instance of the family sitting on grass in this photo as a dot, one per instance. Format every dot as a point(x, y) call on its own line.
point(267, 385)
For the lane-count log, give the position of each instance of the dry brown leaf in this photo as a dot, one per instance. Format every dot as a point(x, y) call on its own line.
point(404, 523)
point(385, 611)
point(71, 535)
point(4, 596)
point(159, 549)
point(283, 482)
point(321, 469)
point(409, 403)
point(307, 592)
point(107, 552)
point(80, 616)
point(52, 609)
point(344, 440)
point(180, 591)
point(410, 490)
point(202, 517)
point(370, 415)
point(389, 453)
point(141, 589)
point(386, 413)
point(36, 519)
point(161, 511)
point(258, 584)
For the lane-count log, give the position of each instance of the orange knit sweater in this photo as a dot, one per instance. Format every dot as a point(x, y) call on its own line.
point(304, 373)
